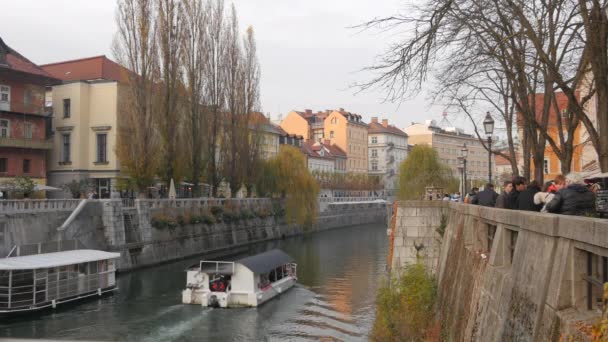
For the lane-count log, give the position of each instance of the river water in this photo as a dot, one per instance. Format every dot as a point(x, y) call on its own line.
point(339, 272)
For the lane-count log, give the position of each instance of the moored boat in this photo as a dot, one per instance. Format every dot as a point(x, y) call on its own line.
point(246, 282)
point(34, 282)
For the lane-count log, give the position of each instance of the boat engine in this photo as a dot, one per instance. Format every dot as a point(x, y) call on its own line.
point(214, 302)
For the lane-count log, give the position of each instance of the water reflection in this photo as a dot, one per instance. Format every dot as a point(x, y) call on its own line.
point(339, 272)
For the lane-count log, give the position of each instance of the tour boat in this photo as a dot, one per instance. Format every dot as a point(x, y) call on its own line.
point(247, 282)
point(34, 282)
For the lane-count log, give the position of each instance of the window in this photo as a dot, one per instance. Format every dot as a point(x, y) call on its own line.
point(374, 153)
point(491, 234)
point(374, 165)
point(512, 242)
point(27, 97)
point(374, 140)
point(331, 134)
point(28, 128)
point(5, 129)
point(5, 92)
point(3, 165)
point(65, 150)
point(102, 155)
point(66, 108)
point(334, 121)
point(26, 166)
point(546, 167)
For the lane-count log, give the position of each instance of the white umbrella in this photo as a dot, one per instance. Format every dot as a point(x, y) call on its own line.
point(172, 194)
point(39, 187)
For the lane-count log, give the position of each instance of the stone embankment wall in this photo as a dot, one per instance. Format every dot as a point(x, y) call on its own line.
point(507, 275)
point(110, 225)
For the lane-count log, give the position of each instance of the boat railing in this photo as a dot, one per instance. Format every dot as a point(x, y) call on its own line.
point(217, 264)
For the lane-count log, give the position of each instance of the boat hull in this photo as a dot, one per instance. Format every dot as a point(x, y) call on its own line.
point(237, 299)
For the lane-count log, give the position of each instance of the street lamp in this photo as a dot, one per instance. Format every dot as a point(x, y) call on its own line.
point(464, 152)
point(488, 126)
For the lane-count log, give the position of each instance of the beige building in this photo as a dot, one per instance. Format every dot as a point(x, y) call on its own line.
point(448, 143)
point(344, 129)
point(85, 123)
point(387, 150)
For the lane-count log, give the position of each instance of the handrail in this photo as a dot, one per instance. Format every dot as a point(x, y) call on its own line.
point(73, 215)
point(11, 252)
point(29, 205)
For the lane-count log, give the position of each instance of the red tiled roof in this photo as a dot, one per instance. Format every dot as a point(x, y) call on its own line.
point(500, 160)
point(311, 150)
point(90, 68)
point(336, 151)
point(17, 62)
point(375, 127)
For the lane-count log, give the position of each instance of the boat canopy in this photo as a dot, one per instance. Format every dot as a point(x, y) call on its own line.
point(57, 259)
point(266, 262)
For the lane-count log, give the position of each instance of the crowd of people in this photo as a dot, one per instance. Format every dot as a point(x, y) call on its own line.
point(568, 195)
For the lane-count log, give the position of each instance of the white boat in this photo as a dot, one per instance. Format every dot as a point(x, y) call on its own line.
point(247, 282)
point(34, 282)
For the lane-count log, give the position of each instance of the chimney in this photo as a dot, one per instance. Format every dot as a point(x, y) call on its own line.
point(308, 111)
point(341, 109)
point(374, 119)
point(385, 122)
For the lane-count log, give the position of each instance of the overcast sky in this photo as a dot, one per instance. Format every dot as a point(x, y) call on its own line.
point(308, 53)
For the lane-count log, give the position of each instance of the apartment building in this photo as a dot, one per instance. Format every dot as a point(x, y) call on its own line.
point(23, 135)
point(448, 142)
point(551, 163)
point(343, 129)
point(387, 149)
point(86, 116)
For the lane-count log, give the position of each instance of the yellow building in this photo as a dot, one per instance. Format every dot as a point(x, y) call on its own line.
point(344, 129)
point(85, 119)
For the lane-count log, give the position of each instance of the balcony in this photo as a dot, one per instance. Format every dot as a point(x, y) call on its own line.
point(390, 159)
point(34, 144)
point(31, 107)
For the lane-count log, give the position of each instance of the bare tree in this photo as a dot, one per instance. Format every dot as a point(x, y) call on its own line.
point(169, 32)
point(251, 102)
point(135, 48)
point(194, 57)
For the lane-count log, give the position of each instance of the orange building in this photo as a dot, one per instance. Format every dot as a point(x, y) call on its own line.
point(552, 165)
point(344, 129)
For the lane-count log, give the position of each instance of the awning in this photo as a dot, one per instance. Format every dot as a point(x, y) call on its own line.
point(47, 260)
point(266, 261)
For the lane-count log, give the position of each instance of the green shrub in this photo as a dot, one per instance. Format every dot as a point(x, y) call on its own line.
point(208, 219)
point(194, 219)
point(181, 220)
point(405, 309)
point(262, 213)
point(230, 216)
point(217, 211)
point(247, 214)
point(162, 221)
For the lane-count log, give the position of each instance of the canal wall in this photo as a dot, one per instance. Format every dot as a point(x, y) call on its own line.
point(507, 275)
point(148, 232)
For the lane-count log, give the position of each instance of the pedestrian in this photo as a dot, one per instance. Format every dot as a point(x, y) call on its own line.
point(488, 196)
point(446, 197)
point(525, 200)
point(503, 199)
point(519, 185)
point(472, 196)
point(545, 195)
point(456, 197)
point(574, 199)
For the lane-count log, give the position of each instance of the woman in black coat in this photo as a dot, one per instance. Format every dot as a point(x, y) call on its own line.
point(574, 199)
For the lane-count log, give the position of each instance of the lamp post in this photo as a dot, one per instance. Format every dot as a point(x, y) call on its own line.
point(488, 126)
point(461, 173)
point(464, 153)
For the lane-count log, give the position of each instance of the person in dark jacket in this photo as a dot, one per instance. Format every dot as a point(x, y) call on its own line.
point(525, 200)
point(574, 199)
point(472, 196)
point(519, 185)
point(502, 199)
point(488, 196)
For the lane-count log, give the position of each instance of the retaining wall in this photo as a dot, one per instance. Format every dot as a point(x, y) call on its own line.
point(109, 225)
point(508, 275)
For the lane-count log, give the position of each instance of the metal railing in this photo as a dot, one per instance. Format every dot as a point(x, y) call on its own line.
point(349, 199)
point(202, 202)
point(28, 205)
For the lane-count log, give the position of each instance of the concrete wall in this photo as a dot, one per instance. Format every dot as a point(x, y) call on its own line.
point(525, 282)
point(107, 225)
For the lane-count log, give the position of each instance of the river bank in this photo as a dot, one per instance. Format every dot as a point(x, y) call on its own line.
point(339, 270)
